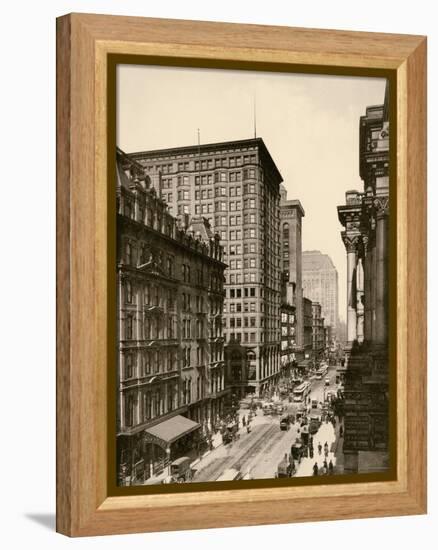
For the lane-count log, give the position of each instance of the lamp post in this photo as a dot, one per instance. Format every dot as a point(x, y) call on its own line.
point(168, 459)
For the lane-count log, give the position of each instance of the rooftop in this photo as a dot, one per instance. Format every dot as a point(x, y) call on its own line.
point(315, 260)
point(209, 148)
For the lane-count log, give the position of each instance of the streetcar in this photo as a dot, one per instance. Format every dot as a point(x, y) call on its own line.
point(301, 393)
point(321, 372)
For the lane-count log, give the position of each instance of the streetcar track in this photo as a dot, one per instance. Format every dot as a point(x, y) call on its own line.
point(220, 464)
point(257, 447)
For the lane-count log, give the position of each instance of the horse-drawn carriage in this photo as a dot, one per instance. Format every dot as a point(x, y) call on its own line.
point(230, 432)
point(298, 450)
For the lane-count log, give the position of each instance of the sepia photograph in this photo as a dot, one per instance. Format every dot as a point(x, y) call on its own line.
point(252, 269)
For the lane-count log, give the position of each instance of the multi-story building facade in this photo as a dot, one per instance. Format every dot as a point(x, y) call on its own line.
point(320, 284)
point(308, 327)
point(236, 186)
point(365, 218)
point(291, 214)
point(318, 334)
point(171, 372)
point(288, 344)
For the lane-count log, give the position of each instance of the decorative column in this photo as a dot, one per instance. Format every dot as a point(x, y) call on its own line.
point(381, 205)
point(367, 288)
point(373, 284)
point(121, 367)
point(138, 312)
point(360, 298)
point(351, 244)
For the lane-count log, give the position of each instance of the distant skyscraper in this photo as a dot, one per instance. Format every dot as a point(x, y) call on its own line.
point(320, 284)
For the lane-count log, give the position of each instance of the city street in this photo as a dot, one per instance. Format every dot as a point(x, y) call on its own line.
point(257, 454)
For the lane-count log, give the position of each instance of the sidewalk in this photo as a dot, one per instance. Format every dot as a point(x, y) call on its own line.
point(337, 450)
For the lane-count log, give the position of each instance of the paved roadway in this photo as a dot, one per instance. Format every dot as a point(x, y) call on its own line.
point(258, 453)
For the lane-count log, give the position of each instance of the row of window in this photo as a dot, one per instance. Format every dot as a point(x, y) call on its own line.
point(245, 278)
point(236, 322)
point(158, 329)
point(192, 328)
point(149, 362)
point(239, 307)
point(245, 292)
point(248, 233)
point(218, 177)
point(250, 307)
point(235, 220)
point(247, 263)
point(204, 164)
point(150, 404)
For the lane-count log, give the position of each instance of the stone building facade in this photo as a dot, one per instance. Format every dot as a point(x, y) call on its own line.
point(171, 370)
point(288, 343)
point(235, 185)
point(291, 214)
point(308, 327)
point(365, 218)
point(318, 334)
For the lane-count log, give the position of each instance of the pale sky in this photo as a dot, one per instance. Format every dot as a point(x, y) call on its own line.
point(309, 123)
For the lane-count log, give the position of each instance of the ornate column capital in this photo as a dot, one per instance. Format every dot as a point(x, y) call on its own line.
point(351, 242)
point(381, 205)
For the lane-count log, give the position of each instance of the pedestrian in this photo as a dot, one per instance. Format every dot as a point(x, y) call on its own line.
point(248, 428)
point(311, 452)
point(319, 448)
point(330, 467)
point(325, 463)
point(324, 470)
point(315, 469)
point(244, 421)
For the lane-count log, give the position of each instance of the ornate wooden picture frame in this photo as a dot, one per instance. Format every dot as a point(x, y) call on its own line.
point(88, 47)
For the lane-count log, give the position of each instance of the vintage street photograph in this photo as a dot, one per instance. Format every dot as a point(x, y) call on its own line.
point(252, 275)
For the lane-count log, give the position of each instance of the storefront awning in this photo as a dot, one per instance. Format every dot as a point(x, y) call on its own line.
point(165, 433)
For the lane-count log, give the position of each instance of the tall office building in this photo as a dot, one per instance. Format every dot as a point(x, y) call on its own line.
point(320, 284)
point(236, 186)
point(291, 214)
